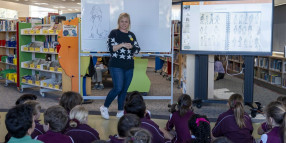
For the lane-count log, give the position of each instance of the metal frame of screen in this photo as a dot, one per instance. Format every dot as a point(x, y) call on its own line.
point(223, 52)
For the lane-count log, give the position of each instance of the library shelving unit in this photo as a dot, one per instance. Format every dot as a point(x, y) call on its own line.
point(270, 71)
point(177, 74)
point(8, 50)
point(38, 58)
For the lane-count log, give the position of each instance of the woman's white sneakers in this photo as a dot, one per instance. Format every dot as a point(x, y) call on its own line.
point(119, 114)
point(104, 112)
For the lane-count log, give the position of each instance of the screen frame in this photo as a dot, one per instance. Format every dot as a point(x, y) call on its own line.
point(197, 52)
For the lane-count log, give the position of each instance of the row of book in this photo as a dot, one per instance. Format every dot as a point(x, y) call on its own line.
point(177, 26)
point(276, 65)
point(272, 78)
point(8, 25)
point(263, 62)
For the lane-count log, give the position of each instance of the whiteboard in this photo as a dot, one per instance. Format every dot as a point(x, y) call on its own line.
point(150, 22)
point(227, 27)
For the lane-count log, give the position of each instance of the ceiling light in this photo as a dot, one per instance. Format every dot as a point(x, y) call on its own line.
point(63, 0)
point(62, 7)
point(78, 3)
point(76, 9)
point(16, 0)
point(72, 0)
point(26, 0)
point(69, 9)
point(41, 4)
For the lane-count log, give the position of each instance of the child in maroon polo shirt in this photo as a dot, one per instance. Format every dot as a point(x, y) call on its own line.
point(125, 123)
point(234, 124)
point(179, 119)
point(200, 128)
point(39, 130)
point(137, 106)
point(138, 135)
point(275, 115)
point(78, 128)
point(55, 120)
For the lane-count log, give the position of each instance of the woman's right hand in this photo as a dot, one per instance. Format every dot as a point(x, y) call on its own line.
point(127, 45)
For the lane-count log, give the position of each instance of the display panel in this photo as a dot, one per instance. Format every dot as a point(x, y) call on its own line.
point(241, 27)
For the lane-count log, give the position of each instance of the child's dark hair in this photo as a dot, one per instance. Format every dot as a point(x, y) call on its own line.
point(35, 105)
point(200, 127)
point(127, 122)
point(235, 102)
point(184, 105)
point(221, 140)
point(138, 135)
point(57, 118)
point(282, 99)
point(135, 106)
point(24, 98)
point(277, 111)
point(19, 120)
point(70, 99)
point(133, 94)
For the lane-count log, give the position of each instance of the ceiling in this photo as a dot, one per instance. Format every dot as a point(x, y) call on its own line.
point(70, 6)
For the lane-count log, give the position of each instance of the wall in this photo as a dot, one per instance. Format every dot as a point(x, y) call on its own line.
point(23, 10)
point(279, 30)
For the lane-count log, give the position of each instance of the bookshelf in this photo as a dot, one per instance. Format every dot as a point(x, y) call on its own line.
point(39, 65)
point(8, 50)
point(269, 71)
point(178, 58)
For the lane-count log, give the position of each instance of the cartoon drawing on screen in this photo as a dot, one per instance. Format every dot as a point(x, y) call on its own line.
point(257, 44)
point(239, 41)
point(97, 30)
point(234, 42)
point(202, 18)
point(211, 18)
point(250, 19)
point(217, 18)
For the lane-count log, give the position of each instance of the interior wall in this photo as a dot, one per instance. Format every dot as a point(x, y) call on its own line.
point(279, 30)
point(23, 10)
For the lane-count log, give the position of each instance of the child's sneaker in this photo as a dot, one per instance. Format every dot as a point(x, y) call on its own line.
point(96, 86)
point(119, 114)
point(100, 87)
point(104, 112)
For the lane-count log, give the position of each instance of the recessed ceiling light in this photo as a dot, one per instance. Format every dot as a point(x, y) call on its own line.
point(78, 3)
point(76, 9)
point(63, 0)
point(72, 0)
point(26, 0)
point(69, 9)
point(16, 0)
point(62, 7)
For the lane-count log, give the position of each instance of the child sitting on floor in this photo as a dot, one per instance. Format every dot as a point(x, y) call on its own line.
point(55, 120)
point(200, 128)
point(78, 129)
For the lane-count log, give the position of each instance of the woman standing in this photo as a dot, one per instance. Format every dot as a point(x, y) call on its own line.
point(122, 46)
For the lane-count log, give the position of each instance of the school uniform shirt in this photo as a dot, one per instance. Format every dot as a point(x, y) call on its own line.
point(54, 137)
point(181, 126)
point(39, 129)
point(83, 133)
point(122, 58)
point(274, 136)
point(153, 128)
point(25, 139)
point(226, 126)
point(115, 139)
point(265, 127)
point(218, 67)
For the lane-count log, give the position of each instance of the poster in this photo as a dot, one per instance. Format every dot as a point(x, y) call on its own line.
point(69, 30)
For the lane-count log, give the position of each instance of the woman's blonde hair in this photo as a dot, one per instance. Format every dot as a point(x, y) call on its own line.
point(35, 105)
point(79, 113)
point(123, 15)
point(236, 104)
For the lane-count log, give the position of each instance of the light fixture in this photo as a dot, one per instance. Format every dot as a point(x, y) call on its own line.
point(41, 4)
point(78, 3)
